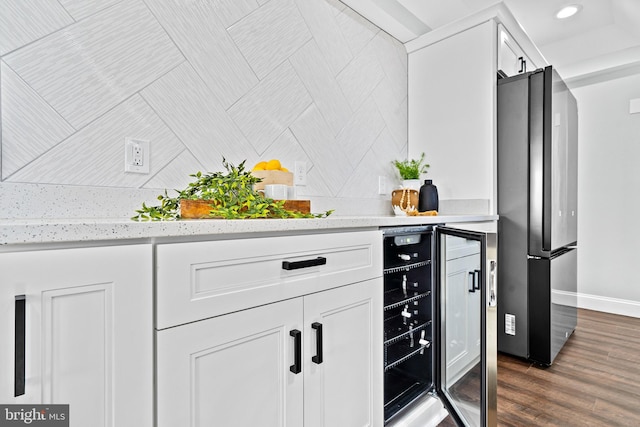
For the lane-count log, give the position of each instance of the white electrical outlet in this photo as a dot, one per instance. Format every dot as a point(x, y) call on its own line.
point(136, 155)
point(382, 184)
point(300, 173)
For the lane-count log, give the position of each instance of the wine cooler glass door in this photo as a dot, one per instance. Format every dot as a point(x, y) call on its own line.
point(467, 355)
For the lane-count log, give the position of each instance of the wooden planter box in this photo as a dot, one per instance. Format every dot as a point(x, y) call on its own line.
point(199, 209)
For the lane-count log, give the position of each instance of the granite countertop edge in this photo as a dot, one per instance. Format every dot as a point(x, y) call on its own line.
point(42, 231)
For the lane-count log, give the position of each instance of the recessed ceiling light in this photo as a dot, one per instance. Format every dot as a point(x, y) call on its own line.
point(568, 11)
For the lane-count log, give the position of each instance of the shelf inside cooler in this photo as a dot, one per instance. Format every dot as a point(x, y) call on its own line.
point(395, 330)
point(403, 350)
point(400, 390)
point(406, 267)
point(395, 298)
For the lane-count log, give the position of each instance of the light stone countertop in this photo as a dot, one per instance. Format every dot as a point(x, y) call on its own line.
point(46, 231)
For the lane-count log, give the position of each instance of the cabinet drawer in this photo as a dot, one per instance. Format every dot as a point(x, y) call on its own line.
point(198, 280)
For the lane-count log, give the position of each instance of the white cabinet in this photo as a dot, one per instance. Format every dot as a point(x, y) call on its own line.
point(88, 334)
point(452, 103)
point(451, 112)
point(240, 369)
point(274, 331)
point(346, 388)
point(512, 59)
point(462, 293)
point(232, 370)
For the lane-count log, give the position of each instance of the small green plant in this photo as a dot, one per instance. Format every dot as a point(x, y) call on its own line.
point(411, 169)
point(232, 196)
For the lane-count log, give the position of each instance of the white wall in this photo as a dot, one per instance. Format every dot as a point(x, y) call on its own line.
point(609, 205)
point(246, 79)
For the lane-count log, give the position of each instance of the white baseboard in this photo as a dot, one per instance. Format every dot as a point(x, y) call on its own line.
point(598, 303)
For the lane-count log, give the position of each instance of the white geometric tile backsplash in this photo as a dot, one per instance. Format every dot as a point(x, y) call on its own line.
point(298, 80)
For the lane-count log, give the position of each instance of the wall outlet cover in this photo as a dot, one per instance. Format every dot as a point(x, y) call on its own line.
point(300, 173)
point(136, 155)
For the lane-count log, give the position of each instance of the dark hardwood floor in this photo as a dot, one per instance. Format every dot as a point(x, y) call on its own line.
point(594, 381)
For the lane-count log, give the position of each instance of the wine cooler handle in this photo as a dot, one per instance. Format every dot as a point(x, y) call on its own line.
point(318, 357)
point(294, 265)
point(296, 368)
point(472, 288)
point(19, 346)
point(493, 271)
point(476, 276)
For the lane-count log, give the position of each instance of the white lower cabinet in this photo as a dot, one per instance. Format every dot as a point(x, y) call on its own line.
point(314, 360)
point(88, 332)
point(463, 303)
point(345, 389)
point(231, 370)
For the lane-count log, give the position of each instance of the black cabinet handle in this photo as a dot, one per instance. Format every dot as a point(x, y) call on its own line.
point(296, 368)
point(294, 265)
point(20, 349)
point(318, 357)
point(476, 275)
point(473, 281)
point(523, 65)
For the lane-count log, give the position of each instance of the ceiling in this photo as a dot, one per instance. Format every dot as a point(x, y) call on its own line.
point(603, 37)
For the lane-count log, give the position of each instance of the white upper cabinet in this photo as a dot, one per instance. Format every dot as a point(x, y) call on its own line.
point(512, 59)
point(452, 102)
point(451, 112)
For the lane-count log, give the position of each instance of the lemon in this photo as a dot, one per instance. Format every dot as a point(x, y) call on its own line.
point(273, 164)
point(260, 166)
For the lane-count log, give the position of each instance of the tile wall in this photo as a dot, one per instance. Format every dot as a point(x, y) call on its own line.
point(297, 80)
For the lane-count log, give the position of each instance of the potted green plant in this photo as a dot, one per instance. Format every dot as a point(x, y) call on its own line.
point(410, 170)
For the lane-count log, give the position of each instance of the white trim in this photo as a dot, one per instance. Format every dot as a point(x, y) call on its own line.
point(598, 303)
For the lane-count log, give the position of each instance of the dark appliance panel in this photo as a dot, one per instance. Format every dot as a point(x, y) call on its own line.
point(408, 318)
point(552, 284)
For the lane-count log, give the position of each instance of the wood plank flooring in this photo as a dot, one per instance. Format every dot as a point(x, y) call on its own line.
point(594, 381)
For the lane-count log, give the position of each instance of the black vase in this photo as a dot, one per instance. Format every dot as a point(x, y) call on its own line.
point(428, 200)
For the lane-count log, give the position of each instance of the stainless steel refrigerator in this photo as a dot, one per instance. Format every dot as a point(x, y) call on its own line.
point(537, 203)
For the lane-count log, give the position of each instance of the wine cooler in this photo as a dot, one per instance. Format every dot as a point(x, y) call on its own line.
point(408, 316)
point(439, 326)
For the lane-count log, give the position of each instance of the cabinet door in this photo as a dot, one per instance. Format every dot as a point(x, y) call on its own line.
point(232, 370)
point(88, 332)
point(511, 58)
point(345, 387)
point(462, 293)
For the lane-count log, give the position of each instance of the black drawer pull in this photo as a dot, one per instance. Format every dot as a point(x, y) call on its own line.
point(473, 281)
point(318, 357)
point(296, 368)
point(477, 279)
point(294, 265)
point(19, 349)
